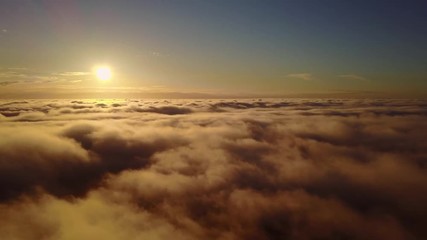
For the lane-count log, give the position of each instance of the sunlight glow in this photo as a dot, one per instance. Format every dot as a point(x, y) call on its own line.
point(103, 73)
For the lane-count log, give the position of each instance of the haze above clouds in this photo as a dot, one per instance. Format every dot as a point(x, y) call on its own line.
point(213, 169)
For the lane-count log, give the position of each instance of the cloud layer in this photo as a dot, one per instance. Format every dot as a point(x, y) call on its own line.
point(213, 169)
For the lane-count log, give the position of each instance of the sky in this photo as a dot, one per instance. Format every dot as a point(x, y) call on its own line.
point(194, 48)
point(221, 119)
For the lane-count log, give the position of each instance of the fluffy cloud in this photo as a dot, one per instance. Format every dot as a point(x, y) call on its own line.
point(213, 169)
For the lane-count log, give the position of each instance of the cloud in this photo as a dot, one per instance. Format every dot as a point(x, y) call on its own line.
point(72, 74)
point(353, 77)
point(302, 76)
point(25, 75)
point(213, 169)
point(169, 110)
point(5, 83)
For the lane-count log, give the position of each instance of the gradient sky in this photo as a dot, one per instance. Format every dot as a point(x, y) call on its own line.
point(48, 48)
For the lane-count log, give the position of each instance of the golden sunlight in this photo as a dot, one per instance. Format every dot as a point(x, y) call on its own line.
point(103, 73)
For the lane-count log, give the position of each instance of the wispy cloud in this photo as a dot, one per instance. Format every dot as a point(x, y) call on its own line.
point(25, 75)
point(302, 76)
point(353, 77)
point(72, 74)
point(5, 83)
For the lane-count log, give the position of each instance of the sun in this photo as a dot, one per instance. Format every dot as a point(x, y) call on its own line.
point(103, 73)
